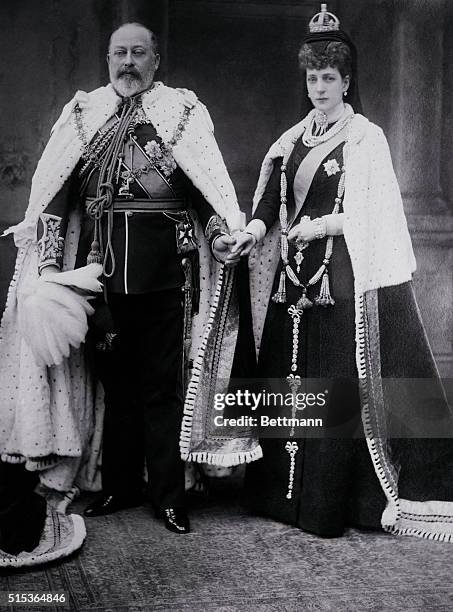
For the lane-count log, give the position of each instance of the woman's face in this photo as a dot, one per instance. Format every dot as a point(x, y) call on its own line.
point(326, 87)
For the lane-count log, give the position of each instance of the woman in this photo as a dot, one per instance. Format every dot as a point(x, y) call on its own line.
point(328, 214)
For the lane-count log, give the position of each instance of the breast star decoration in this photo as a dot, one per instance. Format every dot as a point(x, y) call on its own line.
point(331, 167)
point(160, 158)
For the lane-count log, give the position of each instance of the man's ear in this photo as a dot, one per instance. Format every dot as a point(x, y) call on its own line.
point(157, 62)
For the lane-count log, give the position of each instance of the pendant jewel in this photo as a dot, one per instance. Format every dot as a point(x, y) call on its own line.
point(185, 237)
point(124, 192)
point(313, 135)
point(298, 257)
point(291, 448)
point(301, 245)
point(320, 123)
point(294, 382)
point(295, 314)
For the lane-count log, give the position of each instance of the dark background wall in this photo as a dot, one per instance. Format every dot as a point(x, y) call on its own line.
point(241, 59)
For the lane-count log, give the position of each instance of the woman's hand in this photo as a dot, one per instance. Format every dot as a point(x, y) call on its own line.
point(302, 232)
point(244, 243)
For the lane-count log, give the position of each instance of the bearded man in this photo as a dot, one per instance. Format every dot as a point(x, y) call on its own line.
point(113, 187)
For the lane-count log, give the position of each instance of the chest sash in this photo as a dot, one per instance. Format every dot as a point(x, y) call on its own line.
point(308, 167)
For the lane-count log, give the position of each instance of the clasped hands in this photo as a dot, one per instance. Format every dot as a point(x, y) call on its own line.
point(230, 249)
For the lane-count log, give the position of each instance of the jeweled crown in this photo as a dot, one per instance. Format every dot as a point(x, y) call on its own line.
point(324, 21)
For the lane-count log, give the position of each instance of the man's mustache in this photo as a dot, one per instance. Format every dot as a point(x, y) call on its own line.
point(129, 71)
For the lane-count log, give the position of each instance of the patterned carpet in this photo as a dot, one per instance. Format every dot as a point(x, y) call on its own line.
point(233, 562)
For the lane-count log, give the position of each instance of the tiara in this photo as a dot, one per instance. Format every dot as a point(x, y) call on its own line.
point(324, 21)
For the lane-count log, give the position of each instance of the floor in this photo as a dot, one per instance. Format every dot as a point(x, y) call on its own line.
point(234, 562)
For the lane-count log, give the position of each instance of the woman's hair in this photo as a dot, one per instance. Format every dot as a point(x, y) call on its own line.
point(318, 55)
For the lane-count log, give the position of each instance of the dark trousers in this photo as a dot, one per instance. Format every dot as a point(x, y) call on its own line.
point(142, 379)
point(22, 512)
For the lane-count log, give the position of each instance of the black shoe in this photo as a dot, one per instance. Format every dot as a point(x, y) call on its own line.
point(108, 504)
point(175, 519)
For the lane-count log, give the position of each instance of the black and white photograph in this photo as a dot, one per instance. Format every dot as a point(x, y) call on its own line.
point(226, 302)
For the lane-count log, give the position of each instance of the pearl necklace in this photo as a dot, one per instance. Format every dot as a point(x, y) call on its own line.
point(314, 136)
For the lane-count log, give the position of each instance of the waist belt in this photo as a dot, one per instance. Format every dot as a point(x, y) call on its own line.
point(145, 205)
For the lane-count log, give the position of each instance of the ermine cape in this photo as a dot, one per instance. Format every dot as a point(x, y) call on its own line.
point(51, 418)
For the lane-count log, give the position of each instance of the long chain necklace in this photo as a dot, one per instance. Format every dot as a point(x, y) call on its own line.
point(324, 298)
point(296, 311)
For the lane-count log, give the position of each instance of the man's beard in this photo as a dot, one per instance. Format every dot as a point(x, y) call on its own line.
point(129, 83)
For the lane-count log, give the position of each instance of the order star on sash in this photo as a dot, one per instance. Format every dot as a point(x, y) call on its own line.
point(331, 167)
point(160, 157)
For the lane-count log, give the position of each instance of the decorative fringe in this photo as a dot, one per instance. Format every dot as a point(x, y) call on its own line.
point(212, 458)
point(392, 512)
point(280, 296)
point(192, 389)
point(421, 533)
point(15, 459)
point(324, 298)
point(226, 459)
point(36, 464)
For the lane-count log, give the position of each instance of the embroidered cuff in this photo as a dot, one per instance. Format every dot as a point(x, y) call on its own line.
point(212, 247)
point(214, 227)
point(50, 244)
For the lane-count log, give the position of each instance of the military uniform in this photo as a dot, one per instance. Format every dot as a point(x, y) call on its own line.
point(142, 230)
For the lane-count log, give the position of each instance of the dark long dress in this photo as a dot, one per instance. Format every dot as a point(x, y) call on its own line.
point(334, 480)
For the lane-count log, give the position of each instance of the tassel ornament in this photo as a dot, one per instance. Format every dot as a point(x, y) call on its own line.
point(324, 298)
point(280, 296)
point(303, 303)
point(94, 256)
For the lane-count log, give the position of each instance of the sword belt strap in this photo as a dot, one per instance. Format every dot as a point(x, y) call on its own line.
point(146, 205)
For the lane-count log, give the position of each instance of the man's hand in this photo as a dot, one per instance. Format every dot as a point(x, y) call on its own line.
point(222, 246)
